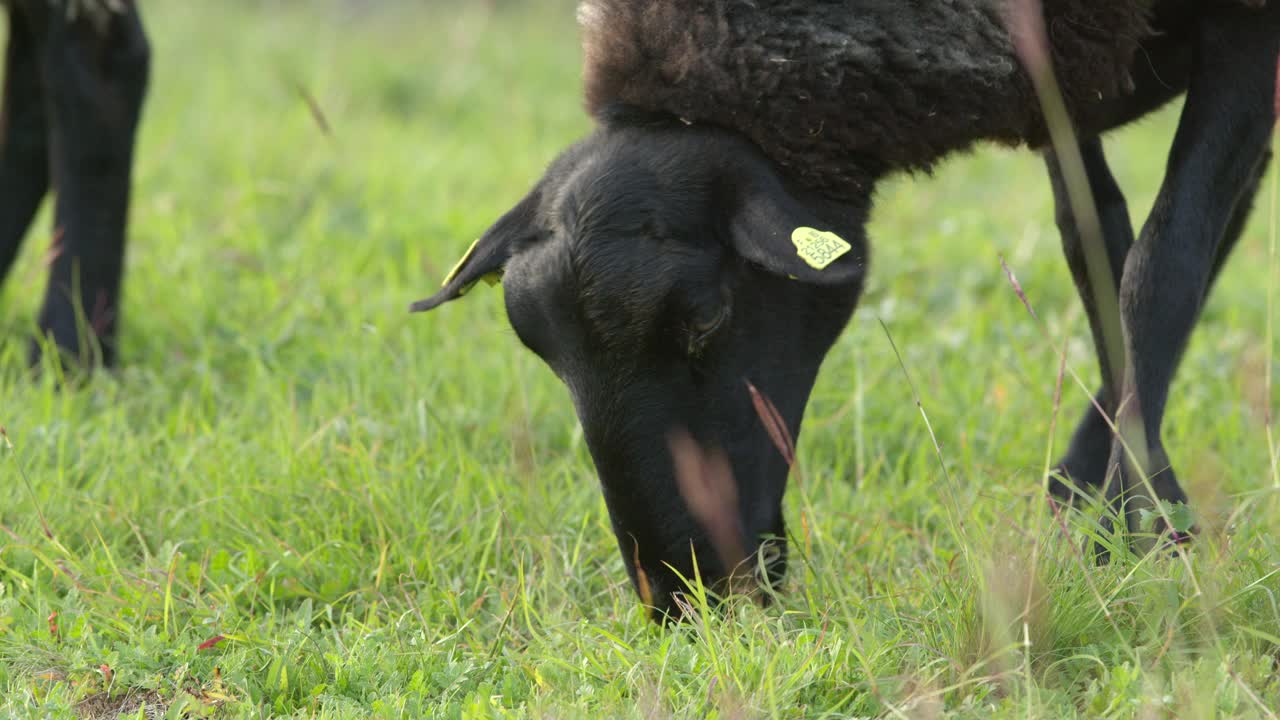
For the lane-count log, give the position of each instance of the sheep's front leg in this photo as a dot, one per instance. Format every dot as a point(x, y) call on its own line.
point(24, 149)
point(1085, 464)
point(1221, 140)
point(96, 79)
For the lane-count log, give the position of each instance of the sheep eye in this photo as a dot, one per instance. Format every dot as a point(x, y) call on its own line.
point(701, 332)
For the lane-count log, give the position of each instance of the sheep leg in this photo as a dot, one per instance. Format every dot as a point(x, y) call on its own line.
point(1085, 464)
point(96, 80)
point(24, 151)
point(1240, 218)
point(1221, 137)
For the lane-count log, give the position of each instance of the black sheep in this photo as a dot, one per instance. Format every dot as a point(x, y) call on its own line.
point(76, 77)
point(711, 232)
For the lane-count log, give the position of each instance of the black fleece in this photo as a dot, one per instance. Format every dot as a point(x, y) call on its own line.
point(840, 92)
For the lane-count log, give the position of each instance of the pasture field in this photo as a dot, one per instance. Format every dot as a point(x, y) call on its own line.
point(295, 499)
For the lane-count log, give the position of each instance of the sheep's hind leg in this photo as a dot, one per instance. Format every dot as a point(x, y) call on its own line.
point(24, 147)
point(96, 76)
point(1083, 467)
point(1222, 136)
point(1085, 463)
point(1239, 218)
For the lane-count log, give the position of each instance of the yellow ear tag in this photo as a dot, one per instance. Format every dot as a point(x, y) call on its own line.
point(817, 248)
point(458, 265)
point(492, 278)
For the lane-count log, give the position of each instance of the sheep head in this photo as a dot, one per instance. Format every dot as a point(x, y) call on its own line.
point(657, 269)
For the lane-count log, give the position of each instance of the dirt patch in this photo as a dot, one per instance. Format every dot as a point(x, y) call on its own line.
point(102, 706)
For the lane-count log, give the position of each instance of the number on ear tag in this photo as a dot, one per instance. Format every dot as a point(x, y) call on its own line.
point(817, 248)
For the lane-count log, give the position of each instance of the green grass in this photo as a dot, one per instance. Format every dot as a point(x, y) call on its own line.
point(389, 515)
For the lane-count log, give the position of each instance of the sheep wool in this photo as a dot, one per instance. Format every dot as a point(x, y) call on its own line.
point(841, 92)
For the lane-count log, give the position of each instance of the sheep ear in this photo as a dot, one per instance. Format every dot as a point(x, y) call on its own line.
point(487, 256)
point(770, 226)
